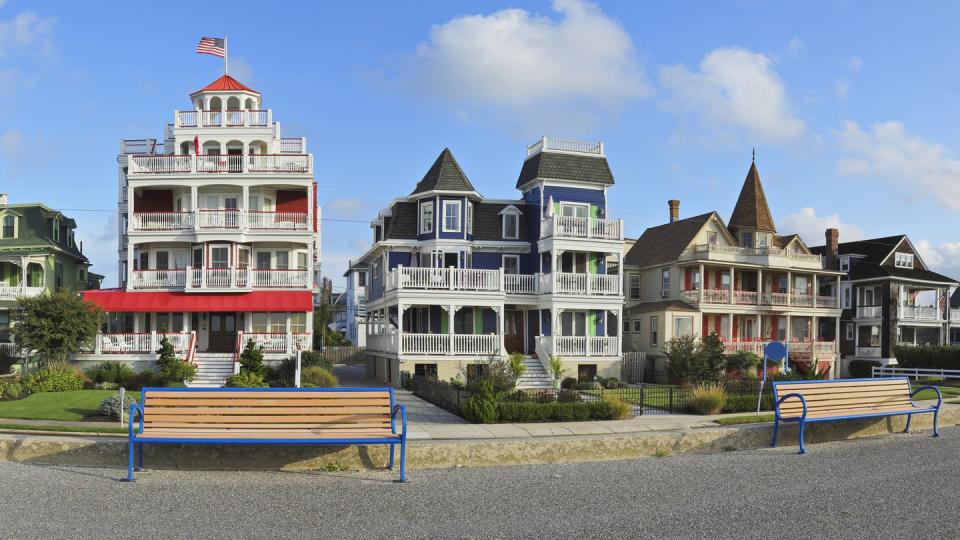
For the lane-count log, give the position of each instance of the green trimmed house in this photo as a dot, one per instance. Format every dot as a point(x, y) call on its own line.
point(38, 252)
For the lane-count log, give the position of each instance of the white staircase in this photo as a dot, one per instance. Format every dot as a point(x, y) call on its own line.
point(213, 371)
point(536, 376)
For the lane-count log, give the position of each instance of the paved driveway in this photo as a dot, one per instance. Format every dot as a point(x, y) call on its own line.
point(419, 412)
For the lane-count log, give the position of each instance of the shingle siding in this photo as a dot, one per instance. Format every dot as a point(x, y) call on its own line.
point(556, 166)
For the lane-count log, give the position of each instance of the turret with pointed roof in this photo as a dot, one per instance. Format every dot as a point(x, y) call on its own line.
point(751, 212)
point(445, 175)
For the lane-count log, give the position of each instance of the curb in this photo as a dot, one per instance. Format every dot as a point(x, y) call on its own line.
point(64, 449)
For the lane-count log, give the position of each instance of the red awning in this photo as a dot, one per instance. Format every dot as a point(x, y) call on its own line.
point(121, 301)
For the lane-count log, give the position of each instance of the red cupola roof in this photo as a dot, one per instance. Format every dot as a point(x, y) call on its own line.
point(226, 84)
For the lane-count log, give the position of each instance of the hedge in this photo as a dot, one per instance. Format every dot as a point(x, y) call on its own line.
point(928, 356)
point(862, 369)
point(548, 412)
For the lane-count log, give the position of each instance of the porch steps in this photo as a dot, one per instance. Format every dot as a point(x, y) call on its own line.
point(536, 377)
point(213, 370)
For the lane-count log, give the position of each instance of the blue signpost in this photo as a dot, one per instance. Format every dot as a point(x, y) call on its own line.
point(775, 351)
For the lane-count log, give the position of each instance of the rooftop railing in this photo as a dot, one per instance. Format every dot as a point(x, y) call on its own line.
point(565, 145)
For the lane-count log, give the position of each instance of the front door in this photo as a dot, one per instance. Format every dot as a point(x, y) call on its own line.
point(223, 332)
point(513, 330)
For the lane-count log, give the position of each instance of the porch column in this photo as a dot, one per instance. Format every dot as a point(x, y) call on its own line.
point(732, 286)
point(451, 311)
point(289, 339)
point(702, 282)
point(836, 349)
point(729, 327)
point(23, 272)
point(789, 332)
point(129, 276)
point(244, 203)
point(760, 327)
point(816, 291)
point(400, 309)
point(789, 289)
point(499, 310)
point(760, 287)
point(195, 204)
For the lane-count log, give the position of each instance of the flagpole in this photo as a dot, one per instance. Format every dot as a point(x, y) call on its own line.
point(225, 65)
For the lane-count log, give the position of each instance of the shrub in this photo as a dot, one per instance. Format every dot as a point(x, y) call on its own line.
point(172, 369)
point(620, 408)
point(517, 367)
point(317, 377)
point(245, 379)
point(113, 408)
point(862, 369)
point(314, 358)
point(742, 361)
point(55, 379)
point(568, 382)
point(708, 399)
point(690, 360)
point(747, 403)
point(251, 359)
point(285, 373)
point(928, 356)
point(560, 412)
point(587, 385)
point(480, 410)
point(111, 372)
point(13, 389)
point(144, 378)
point(556, 367)
point(611, 383)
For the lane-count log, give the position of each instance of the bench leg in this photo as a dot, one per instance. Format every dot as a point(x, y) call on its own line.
point(936, 414)
point(140, 457)
point(403, 460)
point(909, 418)
point(390, 464)
point(130, 461)
point(776, 429)
point(802, 449)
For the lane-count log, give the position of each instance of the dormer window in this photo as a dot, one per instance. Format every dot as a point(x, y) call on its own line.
point(762, 240)
point(746, 239)
point(903, 260)
point(56, 230)
point(426, 217)
point(510, 224)
point(9, 226)
point(844, 264)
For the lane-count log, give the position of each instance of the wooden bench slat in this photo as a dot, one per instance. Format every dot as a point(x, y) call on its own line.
point(243, 402)
point(262, 435)
point(844, 395)
point(225, 419)
point(839, 409)
point(194, 426)
point(812, 404)
point(300, 394)
point(149, 411)
point(849, 412)
point(827, 389)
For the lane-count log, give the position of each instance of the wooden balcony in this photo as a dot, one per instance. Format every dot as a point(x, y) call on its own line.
point(12, 292)
point(219, 219)
point(580, 345)
point(220, 164)
point(577, 227)
point(752, 298)
point(436, 344)
point(919, 313)
point(197, 279)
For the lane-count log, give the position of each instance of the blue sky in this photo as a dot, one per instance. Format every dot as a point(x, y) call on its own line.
point(850, 105)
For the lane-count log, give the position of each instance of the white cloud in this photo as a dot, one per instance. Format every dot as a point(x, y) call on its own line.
point(944, 257)
point(795, 46)
point(515, 63)
point(915, 165)
point(10, 142)
point(734, 90)
point(26, 30)
point(345, 208)
point(811, 227)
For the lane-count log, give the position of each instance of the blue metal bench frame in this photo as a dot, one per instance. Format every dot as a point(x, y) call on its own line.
point(135, 438)
point(802, 419)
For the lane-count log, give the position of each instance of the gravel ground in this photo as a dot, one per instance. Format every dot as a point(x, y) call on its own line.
point(896, 486)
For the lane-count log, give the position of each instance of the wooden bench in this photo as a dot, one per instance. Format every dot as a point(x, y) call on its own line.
point(267, 416)
point(844, 399)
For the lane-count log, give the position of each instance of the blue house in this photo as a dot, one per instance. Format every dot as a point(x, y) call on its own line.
point(457, 279)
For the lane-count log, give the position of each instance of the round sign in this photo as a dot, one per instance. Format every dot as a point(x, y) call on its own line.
point(775, 350)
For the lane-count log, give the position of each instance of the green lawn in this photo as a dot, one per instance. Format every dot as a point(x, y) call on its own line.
point(65, 429)
point(745, 419)
point(947, 391)
point(67, 406)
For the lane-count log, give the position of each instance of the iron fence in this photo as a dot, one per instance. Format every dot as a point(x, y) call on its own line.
point(345, 354)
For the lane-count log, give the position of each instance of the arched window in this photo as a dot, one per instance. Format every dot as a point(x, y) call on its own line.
point(9, 226)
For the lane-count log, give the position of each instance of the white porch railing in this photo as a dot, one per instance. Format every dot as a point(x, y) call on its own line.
point(476, 344)
point(710, 296)
point(159, 279)
point(520, 283)
point(745, 297)
point(12, 292)
point(801, 299)
point(284, 221)
point(460, 279)
point(796, 349)
point(565, 145)
point(221, 163)
point(10, 349)
point(869, 312)
point(826, 301)
point(148, 164)
point(578, 227)
point(581, 345)
point(222, 118)
point(589, 284)
point(955, 315)
point(280, 163)
point(218, 219)
point(278, 342)
point(279, 279)
point(161, 221)
point(426, 343)
point(140, 342)
point(382, 342)
point(292, 145)
point(919, 313)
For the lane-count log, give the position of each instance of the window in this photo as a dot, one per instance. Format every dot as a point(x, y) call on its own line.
point(463, 321)
point(469, 218)
point(682, 326)
point(263, 260)
point(451, 216)
point(845, 295)
point(219, 257)
point(261, 323)
point(626, 326)
point(654, 330)
point(511, 264)
point(586, 372)
point(298, 323)
point(573, 323)
point(845, 264)
point(81, 275)
point(637, 326)
point(849, 327)
point(425, 370)
point(58, 275)
point(511, 225)
point(426, 217)
point(4, 326)
point(283, 260)
point(665, 283)
point(712, 238)
point(903, 260)
point(70, 240)
point(56, 230)
point(301, 260)
point(198, 257)
point(9, 226)
point(142, 262)
point(162, 260)
point(573, 261)
point(243, 257)
point(868, 336)
point(634, 283)
point(761, 240)
point(574, 210)
point(361, 279)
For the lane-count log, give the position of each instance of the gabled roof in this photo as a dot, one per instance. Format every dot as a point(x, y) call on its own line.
point(226, 83)
point(665, 243)
point(864, 270)
point(35, 229)
point(560, 166)
point(874, 250)
point(751, 210)
point(444, 175)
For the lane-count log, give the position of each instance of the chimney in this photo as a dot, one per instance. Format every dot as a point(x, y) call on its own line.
point(674, 210)
point(3, 199)
point(832, 237)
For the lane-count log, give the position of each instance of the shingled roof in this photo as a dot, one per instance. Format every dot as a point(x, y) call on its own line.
point(665, 243)
point(751, 210)
point(874, 250)
point(402, 224)
point(35, 230)
point(560, 166)
point(444, 175)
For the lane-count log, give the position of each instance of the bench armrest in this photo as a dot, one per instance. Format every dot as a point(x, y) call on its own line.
point(402, 409)
point(793, 395)
point(135, 408)
point(929, 387)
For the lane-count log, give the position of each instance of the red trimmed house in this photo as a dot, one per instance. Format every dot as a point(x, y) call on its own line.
point(219, 238)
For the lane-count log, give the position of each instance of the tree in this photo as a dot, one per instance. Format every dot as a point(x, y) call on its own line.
point(55, 325)
point(251, 359)
point(172, 369)
point(322, 333)
point(691, 360)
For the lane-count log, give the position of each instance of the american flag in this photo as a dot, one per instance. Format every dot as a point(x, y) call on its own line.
point(214, 46)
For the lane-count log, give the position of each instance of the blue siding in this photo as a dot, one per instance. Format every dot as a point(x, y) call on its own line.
point(489, 321)
point(532, 213)
point(601, 321)
point(545, 321)
point(435, 315)
point(396, 258)
point(463, 218)
point(571, 194)
point(487, 260)
point(436, 212)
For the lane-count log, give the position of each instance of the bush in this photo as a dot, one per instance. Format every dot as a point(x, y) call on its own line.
point(928, 356)
point(747, 403)
point(245, 380)
point(55, 379)
point(314, 358)
point(560, 412)
point(13, 389)
point(111, 372)
point(517, 367)
point(113, 408)
point(568, 382)
point(251, 359)
point(690, 360)
point(611, 383)
point(480, 410)
point(587, 385)
point(742, 361)
point(144, 378)
point(862, 369)
point(708, 399)
point(620, 408)
point(285, 373)
point(172, 369)
point(317, 377)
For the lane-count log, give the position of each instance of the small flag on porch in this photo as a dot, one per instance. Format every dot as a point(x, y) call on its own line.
point(196, 145)
point(214, 46)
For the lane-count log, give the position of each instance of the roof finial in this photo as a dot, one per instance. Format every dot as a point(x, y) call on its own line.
point(754, 160)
